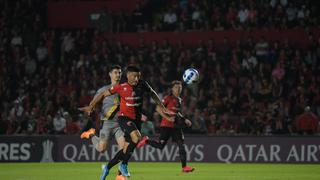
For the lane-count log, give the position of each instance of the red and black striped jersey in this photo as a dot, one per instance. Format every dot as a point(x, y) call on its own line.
point(131, 98)
point(173, 104)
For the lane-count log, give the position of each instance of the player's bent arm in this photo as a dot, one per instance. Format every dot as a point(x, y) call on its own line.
point(94, 101)
point(161, 111)
point(99, 97)
point(154, 95)
point(186, 121)
point(156, 98)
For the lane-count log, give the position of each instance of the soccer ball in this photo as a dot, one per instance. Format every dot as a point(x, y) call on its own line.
point(190, 76)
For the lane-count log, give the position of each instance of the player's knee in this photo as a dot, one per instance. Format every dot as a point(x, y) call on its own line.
point(135, 137)
point(101, 147)
point(121, 143)
point(135, 140)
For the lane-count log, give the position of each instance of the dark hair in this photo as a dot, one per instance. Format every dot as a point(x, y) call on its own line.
point(175, 82)
point(114, 67)
point(132, 68)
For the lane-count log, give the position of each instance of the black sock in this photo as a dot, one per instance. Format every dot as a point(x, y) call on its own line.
point(183, 154)
point(116, 159)
point(129, 152)
point(156, 144)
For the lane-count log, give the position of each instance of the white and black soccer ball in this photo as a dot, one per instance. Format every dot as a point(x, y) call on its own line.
point(190, 76)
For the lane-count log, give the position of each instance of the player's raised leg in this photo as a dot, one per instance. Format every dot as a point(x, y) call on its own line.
point(133, 140)
point(88, 133)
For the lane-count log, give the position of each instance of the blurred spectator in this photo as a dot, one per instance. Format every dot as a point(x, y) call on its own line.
point(147, 127)
point(59, 123)
point(170, 20)
point(249, 62)
point(240, 81)
point(243, 15)
point(198, 122)
point(42, 52)
point(242, 127)
point(17, 112)
point(307, 123)
point(72, 127)
point(262, 50)
point(16, 39)
point(49, 127)
point(137, 16)
point(3, 124)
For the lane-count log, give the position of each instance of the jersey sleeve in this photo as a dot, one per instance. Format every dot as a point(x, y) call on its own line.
point(100, 91)
point(165, 101)
point(115, 89)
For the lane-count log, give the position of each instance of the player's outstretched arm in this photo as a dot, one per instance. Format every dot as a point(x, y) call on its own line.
point(99, 98)
point(86, 109)
point(94, 101)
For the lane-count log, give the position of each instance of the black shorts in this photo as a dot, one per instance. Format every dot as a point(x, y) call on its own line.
point(138, 124)
point(127, 125)
point(175, 133)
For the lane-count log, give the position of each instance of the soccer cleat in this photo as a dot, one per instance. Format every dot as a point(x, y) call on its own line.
point(120, 177)
point(104, 173)
point(143, 142)
point(123, 168)
point(187, 169)
point(86, 134)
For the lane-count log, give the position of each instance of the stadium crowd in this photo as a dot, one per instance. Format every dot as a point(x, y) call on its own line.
point(256, 87)
point(218, 15)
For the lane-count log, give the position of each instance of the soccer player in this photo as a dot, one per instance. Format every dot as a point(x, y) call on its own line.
point(170, 129)
point(110, 107)
point(129, 117)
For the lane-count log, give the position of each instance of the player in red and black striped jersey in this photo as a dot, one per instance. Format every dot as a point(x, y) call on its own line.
point(172, 129)
point(129, 115)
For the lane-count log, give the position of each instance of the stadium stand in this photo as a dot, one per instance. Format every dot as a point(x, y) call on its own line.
point(255, 85)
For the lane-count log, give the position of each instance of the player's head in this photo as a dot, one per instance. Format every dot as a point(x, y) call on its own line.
point(133, 75)
point(176, 88)
point(115, 73)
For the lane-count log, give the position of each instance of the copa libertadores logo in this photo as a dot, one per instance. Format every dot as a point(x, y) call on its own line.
point(47, 151)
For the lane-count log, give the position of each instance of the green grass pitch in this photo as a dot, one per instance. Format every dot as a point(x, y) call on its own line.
point(160, 171)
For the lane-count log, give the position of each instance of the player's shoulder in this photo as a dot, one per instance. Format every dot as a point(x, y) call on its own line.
point(171, 97)
point(103, 88)
point(168, 97)
point(108, 86)
point(119, 86)
point(145, 84)
point(124, 84)
point(142, 81)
